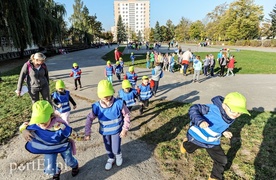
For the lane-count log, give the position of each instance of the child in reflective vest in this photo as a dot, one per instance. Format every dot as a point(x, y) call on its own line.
point(76, 73)
point(128, 94)
point(145, 93)
point(118, 70)
point(109, 71)
point(61, 99)
point(114, 120)
point(49, 135)
point(131, 76)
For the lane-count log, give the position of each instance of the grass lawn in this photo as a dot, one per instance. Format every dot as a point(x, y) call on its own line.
point(251, 151)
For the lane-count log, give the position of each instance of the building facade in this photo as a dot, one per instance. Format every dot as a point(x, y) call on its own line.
point(135, 16)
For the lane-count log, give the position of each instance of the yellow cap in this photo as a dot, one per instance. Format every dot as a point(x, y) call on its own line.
point(131, 69)
point(108, 62)
point(120, 58)
point(126, 84)
point(145, 77)
point(105, 89)
point(75, 64)
point(236, 102)
point(117, 62)
point(60, 84)
point(41, 112)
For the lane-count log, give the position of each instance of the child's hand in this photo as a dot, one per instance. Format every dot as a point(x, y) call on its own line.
point(227, 134)
point(204, 124)
point(27, 135)
point(87, 138)
point(59, 106)
point(74, 107)
point(58, 126)
point(123, 133)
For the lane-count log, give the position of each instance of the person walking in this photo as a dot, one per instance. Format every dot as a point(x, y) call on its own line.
point(35, 72)
point(186, 56)
point(231, 66)
point(76, 74)
point(197, 65)
point(156, 74)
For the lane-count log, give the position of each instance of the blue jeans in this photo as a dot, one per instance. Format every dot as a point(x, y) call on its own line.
point(112, 144)
point(50, 161)
point(148, 64)
point(185, 67)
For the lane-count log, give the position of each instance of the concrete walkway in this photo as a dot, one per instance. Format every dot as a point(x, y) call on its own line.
point(258, 89)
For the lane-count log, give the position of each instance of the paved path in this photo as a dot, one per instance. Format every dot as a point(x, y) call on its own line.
point(259, 89)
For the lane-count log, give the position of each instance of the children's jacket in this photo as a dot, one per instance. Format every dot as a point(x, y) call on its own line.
point(144, 92)
point(197, 65)
point(132, 78)
point(62, 99)
point(110, 119)
point(217, 119)
point(109, 70)
point(128, 97)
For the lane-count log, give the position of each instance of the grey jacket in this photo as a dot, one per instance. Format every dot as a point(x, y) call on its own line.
point(35, 78)
point(156, 72)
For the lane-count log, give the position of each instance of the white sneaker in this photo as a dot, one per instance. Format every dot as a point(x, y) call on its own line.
point(119, 159)
point(109, 164)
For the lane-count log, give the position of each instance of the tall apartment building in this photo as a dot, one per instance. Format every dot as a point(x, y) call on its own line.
point(135, 15)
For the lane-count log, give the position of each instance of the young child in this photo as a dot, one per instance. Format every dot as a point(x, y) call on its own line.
point(208, 123)
point(128, 94)
point(156, 74)
point(132, 58)
point(148, 60)
point(197, 65)
point(61, 99)
point(206, 63)
point(109, 71)
point(231, 66)
point(76, 73)
point(114, 119)
point(118, 70)
point(122, 64)
point(131, 76)
point(48, 135)
point(145, 93)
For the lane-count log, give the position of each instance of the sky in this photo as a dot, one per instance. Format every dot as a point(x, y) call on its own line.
point(160, 10)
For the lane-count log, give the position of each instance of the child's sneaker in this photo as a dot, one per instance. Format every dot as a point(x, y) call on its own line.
point(56, 176)
point(119, 159)
point(182, 149)
point(76, 88)
point(75, 171)
point(109, 164)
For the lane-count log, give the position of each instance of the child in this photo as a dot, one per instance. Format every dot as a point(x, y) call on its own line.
point(231, 66)
point(197, 65)
point(148, 60)
point(48, 135)
point(114, 119)
point(118, 70)
point(208, 123)
point(122, 64)
point(206, 62)
point(128, 94)
point(132, 58)
point(109, 71)
point(156, 74)
point(145, 93)
point(76, 73)
point(61, 99)
point(131, 76)
point(212, 65)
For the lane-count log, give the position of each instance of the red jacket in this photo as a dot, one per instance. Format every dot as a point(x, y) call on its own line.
point(231, 63)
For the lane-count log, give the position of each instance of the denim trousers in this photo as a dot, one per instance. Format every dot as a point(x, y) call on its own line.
point(50, 161)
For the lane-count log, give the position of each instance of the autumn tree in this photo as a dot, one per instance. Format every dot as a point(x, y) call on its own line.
point(197, 30)
point(272, 28)
point(182, 30)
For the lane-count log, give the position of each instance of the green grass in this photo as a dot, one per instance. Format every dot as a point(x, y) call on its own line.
point(247, 62)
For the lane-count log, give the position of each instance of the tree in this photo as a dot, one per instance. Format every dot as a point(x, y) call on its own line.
point(242, 20)
point(121, 31)
point(151, 35)
point(182, 30)
point(272, 28)
point(157, 36)
point(197, 30)
point(170, 30)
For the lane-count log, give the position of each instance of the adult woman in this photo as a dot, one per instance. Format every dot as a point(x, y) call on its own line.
point(36, 73)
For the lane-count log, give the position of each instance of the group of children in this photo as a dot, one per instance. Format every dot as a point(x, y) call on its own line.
point(49, 128)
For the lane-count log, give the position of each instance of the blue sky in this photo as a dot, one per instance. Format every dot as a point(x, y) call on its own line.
point(161, 10)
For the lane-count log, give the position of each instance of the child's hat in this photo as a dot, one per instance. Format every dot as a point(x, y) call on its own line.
point(131, 52)
point(131, 69)
point(105, 89)
point(145, 77)
point(75, 65)
point(236, 102)
point(120, 58)
point(41, 112)
point(117, 62)
point(60, 84)
point(126, 84)
point(108, 62)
